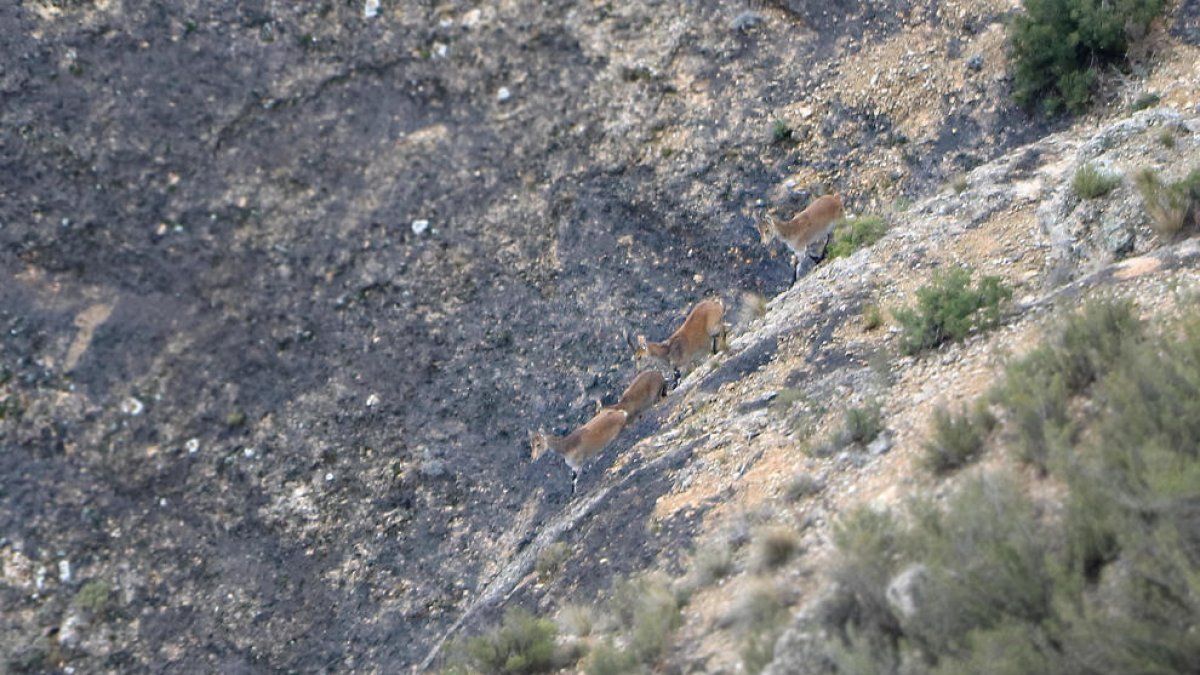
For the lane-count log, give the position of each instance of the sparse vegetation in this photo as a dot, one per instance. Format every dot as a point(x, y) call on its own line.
point(774, 547)
point(1106, 584)
point(872, 317)
point(949, 308)
point(1090, 182)
point(522, 643)
point(801, 486)
point(862, 424)
point(1169, 204)
point(606, 659)
point(712, 562)
point(1059, 46)
point(957, 437)
point(960, 185)
point(760, 615)
point(551, 558)
point(1166, 138)
point(94, 597)
point(648, 610)
point(1147, 100)
point(576, 620)
point(780, 131)
point(854, 234)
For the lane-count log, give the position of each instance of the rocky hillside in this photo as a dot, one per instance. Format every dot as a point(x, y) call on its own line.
point(285, 287)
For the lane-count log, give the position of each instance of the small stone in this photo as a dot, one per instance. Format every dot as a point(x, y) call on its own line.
point(192, 446)
point(881, 444)
point(64, 571)
point(329, 477)
point(372, 400)
point(132, 406)
point(248, 453)
point(370, 9)
point(503, 94)
point(419, 226)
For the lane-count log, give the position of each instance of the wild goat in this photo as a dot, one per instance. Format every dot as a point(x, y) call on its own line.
point(703, 331)
point(648, 388)
point(580, 445)
point(806, 230)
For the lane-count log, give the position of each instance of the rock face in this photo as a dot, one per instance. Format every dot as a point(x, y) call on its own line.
point(284, 287)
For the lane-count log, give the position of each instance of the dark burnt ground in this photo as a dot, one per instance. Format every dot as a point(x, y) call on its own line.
point(236, 183)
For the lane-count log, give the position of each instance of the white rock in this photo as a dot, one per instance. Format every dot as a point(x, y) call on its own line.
point(503, 94)
point(370, 9)
point(420, 225)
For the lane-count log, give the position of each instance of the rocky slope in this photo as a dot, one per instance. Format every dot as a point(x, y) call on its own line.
point(286, 286)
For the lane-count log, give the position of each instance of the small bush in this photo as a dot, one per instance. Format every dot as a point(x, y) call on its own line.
point(780, 132)
point(576, 620)
point(606, 659)
point(948, 309)
point(960, 185)
point(522, 643)
point(872, 317)
point(863, 424)
point(760, 614)
point(649, 610)
point(774, 547)
point(1166, 138)
point(957, 437)
point(1090, 182)
point(711, 563)
point(1147, 100)
point(551, 558)
point(1059, 45)
point(801, 486)
point(94, 597)
point(855, 234)
point(1168, 204)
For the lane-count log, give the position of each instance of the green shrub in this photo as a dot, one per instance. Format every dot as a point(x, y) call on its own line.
point(1166, 138)
point(711, 563)
point(576, 620)
point(872, 317)
point(801, 486)
point(94, 597)
point(1107, 582)
point(868, 544)
point(1169, 204)
point(957, 437)
point(987, 562)
point(780, 132)
point(854, 234)
point(774, 547)
point(1058, 45)
point(948, 309)
point(1090, 182)
point(761, 615)
point(1036, 389)
point(551, 558)
point(522, 643)
point(1147, 100)
point(863, 424)
point(649, 611)
point(606, 659)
